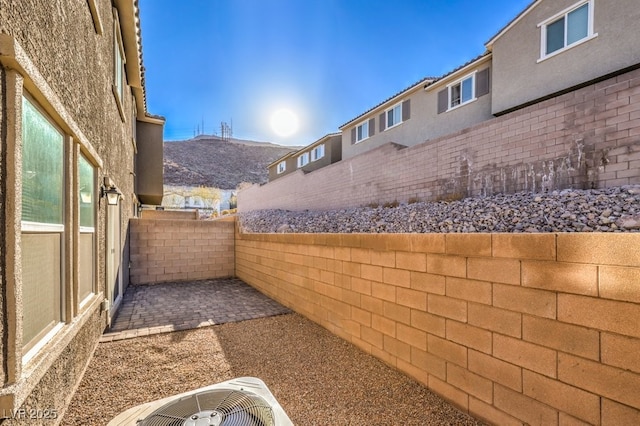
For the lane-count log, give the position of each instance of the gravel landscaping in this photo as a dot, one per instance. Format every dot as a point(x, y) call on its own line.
point(318, 378)
point(571, 210)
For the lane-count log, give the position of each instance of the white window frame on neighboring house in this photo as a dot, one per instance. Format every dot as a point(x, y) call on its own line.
point(282, 166)
point(451, 92)
point(317, 152)
point(362, 131)
point(393, 116)
point(303, 159)
point(564, 18)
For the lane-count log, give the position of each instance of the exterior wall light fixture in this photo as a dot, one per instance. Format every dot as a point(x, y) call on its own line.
point(110, 191)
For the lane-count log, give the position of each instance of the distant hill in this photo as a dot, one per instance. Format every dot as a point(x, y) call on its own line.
point(210, 161)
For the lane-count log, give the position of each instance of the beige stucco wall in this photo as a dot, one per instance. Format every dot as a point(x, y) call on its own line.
point(518, 78)
point(425, 123)
point(67, 67)
point(513, 329)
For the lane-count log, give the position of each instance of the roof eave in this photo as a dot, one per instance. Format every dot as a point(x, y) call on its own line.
point(485, 57)
point(514, 21)
point(129, 15)
point(279, 160)
point(389, 101)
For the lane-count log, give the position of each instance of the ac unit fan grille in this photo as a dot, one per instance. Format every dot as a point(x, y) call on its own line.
point(219, 407)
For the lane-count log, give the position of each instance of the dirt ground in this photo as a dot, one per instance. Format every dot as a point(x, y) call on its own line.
point(318, 378)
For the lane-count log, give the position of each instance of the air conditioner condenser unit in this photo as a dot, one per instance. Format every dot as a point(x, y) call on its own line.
point(244, 401)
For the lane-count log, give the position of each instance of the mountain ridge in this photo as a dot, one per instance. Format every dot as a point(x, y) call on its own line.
point(211, 161)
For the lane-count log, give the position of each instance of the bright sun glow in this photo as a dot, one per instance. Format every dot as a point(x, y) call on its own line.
point(284, 122)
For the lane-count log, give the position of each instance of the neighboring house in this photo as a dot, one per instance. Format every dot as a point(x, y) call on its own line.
point(550, 48)
point(555, 46)
point(428, 109)
point(326, 150)
point(282, 166)
point(174, 200)
point(79, 155)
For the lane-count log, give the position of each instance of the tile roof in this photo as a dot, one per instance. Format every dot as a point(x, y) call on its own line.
point(288, 154)
point(427, 80)
point(466, 64)
point(136, 7)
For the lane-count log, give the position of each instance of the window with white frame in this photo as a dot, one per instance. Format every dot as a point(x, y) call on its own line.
point(393, 116)
point(317, 152)
point(282, 166)
point(362, 131)
point(87, 243)
point(42, 224)
point(568, 28)
point(462, 91)
point(118, 64)
point(303, 159)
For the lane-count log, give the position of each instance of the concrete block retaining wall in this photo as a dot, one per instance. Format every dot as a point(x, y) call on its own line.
point(535, 329)
point(584, 139)
point(178, 250)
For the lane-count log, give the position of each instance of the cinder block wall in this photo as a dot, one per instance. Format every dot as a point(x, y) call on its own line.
point(583, 139)
point(169, 214)
point(535, 328)
point(177, 250)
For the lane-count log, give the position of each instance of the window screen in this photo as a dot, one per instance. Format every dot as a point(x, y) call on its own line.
point(42, 168)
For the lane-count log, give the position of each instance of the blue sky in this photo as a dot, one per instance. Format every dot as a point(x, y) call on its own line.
point(327, 61)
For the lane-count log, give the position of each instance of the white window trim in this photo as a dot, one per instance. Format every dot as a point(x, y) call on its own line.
point(364, 137)
point(386, 111)
point(301, 158)
point(38, 346)
point(41, 227)
point(471, 75)
point(543, 30)
point(314, 152)
point(284, 167)
point(86, 300)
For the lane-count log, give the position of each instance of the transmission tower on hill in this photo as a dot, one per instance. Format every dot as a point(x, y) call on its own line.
point(226, 130)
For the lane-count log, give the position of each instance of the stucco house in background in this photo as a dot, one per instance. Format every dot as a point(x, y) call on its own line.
point(554, 47)
point(551, 104)
point(79, 155)
point(323, 152)
point(439, 106)
point(282, 166)
point(550, 48)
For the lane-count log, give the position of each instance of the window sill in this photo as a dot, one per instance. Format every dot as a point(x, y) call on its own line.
point(361, 140)
point(118, 103)
point(462, 104)
point(38, 346)
point(13, 396)
point(26, 226)
point(391, 127)
point(96, 17)
point(564, 49)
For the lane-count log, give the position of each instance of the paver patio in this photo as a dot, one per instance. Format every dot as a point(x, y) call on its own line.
point(172, 306)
